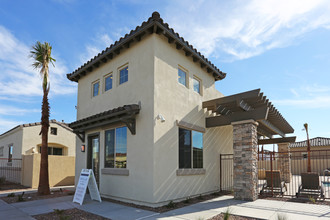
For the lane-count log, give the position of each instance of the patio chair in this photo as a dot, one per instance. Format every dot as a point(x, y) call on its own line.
point(310, 185)
point(278, 185)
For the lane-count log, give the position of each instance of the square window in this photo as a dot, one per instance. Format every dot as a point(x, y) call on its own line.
point(116, 148)
point(108, 82)
point(96, 88)
point(53, 131)
point(123, 75)
point(197, 85)
point(182, 77)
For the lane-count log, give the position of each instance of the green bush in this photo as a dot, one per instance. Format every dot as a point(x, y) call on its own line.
point(171, 205)
point(11, 195)
point(20, 198)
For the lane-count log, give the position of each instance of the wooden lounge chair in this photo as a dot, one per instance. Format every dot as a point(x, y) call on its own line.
point(277, 184)
point(310, 185)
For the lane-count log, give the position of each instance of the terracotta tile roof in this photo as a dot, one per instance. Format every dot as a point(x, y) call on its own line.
point(106, 115)
point(314, 142)
point(154, 24)
point(62, 124)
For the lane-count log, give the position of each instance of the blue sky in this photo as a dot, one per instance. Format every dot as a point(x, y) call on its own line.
point(279, 46)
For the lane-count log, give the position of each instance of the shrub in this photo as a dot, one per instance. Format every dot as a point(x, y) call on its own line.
point(281, 217)
point(187, 200)
point(200, 197)
point(11, 195)
point(171, 205)
point(227, 214)
point(20, 197)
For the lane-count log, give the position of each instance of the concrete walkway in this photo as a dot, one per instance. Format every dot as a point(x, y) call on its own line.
point(264, 209)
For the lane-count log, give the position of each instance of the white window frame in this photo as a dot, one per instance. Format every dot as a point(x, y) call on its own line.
point(187, 76)
point(118, 74)
point(104, 84)
point(200, 85)
point(98, 92)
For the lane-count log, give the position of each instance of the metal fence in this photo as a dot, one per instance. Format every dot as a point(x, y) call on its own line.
point(11, 169)
point(284, 174)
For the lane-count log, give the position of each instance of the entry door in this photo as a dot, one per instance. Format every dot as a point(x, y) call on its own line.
point(93, 160)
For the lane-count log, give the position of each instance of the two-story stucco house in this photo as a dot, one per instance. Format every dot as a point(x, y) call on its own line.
point(142, 111)
point(25, 139)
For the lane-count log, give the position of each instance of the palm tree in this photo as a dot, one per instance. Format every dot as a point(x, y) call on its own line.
point(41, 53)
point(309, 169)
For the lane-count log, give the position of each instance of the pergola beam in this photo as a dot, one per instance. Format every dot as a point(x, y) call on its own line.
point(222, 120)
point(277, 140)
point(272, 127)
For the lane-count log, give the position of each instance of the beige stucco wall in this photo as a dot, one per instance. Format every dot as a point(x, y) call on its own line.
point(177, 102)
point(138, 89)
point(64, 138)
point(61, 170)
point(14, 137)
point(152, 154)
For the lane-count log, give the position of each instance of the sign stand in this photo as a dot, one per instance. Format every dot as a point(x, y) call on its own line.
point(86, 179)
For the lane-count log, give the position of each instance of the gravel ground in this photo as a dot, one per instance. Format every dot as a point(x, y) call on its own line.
point(69, 214)
point(232, 217)
point(9, 186)
point(34, 196)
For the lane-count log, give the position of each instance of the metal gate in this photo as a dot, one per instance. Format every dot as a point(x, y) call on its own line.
point(11, 169)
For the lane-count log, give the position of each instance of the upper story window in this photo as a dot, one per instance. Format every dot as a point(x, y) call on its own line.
point(108, 82)
point(10, 153)
point(123, 75)
point(96, 88)
point(190, 149)
point(197, 85)
point(115, 148)
point(53, 131)
point(182, 77)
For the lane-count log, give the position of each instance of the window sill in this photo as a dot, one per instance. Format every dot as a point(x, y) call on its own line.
point(115, 171)
point(190, 172)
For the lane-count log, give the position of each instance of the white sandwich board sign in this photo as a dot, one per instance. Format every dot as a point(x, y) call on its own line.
point(86, 179)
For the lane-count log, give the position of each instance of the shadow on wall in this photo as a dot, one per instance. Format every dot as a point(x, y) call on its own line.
point(169, 186)
point(67, 181)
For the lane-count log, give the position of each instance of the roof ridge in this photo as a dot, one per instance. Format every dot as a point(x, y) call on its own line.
point(116, 47)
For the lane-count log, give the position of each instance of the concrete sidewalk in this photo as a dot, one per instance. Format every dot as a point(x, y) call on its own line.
point(264, 209)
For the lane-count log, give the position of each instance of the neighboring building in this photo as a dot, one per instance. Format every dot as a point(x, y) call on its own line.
point(320, 146)
point(20, 154)
point(154, 124)
point(25, 139)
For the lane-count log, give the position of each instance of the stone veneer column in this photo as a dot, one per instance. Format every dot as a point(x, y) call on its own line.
point(285, 161)
point(245, 146)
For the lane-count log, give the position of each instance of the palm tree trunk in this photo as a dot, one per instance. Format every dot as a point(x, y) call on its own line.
point(43, 188)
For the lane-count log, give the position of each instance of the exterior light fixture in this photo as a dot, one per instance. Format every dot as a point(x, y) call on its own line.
point(83, 148)
point(160, 117)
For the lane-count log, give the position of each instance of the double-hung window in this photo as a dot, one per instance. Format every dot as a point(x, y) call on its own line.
point(115, 148)
point(182, 77)
point(197, 85)
point(190, 149)
point(108, 82)
point(96, 88)
point(123, 75)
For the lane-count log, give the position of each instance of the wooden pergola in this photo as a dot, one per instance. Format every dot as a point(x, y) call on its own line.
point(250, 105)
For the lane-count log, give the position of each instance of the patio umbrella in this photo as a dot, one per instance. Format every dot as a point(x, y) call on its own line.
point(309, 169)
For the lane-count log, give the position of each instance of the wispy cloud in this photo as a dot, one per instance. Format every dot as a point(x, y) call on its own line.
point(8, 124)
point(245, 29)
point(99, 43)
point(18, 78)
point(9, 110)
point(311, 96)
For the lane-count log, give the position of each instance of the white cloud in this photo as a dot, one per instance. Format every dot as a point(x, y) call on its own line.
point(8, 124)
point(9, 110)
point(311, 96)
point(18, 78)
point(245, 29)
point(99, 43)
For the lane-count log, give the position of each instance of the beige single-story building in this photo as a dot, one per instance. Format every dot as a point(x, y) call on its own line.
point(154, 125)
point(320, 146)
point(20, 153)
